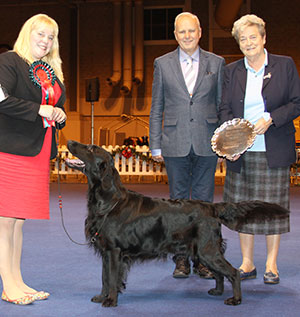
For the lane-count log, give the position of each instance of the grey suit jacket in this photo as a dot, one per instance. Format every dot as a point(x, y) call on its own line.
point(178, 121)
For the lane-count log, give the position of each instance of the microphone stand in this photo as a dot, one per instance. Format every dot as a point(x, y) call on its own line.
point(92, 122)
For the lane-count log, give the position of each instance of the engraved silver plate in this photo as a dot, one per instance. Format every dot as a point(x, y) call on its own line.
point(233, 137)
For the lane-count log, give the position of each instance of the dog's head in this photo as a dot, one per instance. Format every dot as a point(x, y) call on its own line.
point(98, 165)
point(92, 159)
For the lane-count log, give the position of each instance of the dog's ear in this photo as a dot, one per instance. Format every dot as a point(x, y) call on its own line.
point(108, 193)
point(105, 172)
point(108, 189)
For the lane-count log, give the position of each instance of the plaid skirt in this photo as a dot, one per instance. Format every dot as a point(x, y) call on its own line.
point(257, 181)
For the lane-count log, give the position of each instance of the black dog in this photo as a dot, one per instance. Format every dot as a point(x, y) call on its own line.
point(125, 226)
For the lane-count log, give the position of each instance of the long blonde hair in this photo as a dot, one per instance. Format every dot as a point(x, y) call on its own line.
point(22, 44)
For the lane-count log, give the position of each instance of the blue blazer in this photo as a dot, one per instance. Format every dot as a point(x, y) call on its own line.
point(281, 93)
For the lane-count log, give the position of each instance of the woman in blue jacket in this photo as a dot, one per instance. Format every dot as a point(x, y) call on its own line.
point(264, 89)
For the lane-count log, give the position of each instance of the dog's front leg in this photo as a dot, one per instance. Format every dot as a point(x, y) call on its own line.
point(236, 286)
point(219, 289)
point(105, 279)
point(113, 271)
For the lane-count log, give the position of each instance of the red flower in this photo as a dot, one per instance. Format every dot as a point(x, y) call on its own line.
point(127, 152)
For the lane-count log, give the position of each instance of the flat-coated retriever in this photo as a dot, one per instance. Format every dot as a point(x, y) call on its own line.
point(124, 226)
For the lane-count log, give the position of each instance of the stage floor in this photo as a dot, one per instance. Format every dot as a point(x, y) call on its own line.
point(72, 273)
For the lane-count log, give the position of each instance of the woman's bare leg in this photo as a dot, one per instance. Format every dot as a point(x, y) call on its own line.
point(7, 237)
point(17, 254)
point(247, 247)
point(273, 242)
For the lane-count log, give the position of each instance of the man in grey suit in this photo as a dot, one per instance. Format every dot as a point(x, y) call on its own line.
point(183, 117)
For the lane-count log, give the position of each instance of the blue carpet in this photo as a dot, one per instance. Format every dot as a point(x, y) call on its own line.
point(72, 273)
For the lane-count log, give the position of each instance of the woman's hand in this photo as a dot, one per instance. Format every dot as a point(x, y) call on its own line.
point(52, 113)
point(262, 125)
point(46, 111)
point(59, 115)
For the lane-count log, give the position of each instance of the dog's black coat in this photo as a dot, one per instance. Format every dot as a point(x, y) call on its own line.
point(125, 226)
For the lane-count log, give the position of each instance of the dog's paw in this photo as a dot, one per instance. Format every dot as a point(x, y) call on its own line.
point(109, 302)
point(232, 301)
point(215, 292)
point(98, 298)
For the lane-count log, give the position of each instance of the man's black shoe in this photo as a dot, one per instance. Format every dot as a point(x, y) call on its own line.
point(202, 271)
point(182, 269)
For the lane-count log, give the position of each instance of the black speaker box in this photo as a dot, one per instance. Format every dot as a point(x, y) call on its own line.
point(92, 89)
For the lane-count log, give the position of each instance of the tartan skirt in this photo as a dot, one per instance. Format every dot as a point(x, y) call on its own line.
point(257, 181)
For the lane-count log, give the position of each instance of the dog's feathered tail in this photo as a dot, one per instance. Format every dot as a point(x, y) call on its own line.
point(236, 215)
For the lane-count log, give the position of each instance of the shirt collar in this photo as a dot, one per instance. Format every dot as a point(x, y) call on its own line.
point(183, 55)
point(248, 67)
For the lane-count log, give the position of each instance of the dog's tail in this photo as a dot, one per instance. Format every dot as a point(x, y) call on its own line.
point(236, 215)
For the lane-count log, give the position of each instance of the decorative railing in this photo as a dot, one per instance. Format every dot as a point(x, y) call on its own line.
point(295, 169)
point(129, 161)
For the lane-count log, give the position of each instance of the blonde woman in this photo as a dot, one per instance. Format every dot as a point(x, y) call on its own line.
point(32, 81)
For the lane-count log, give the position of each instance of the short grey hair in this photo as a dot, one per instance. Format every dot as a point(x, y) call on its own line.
point(186, 14)
point(248, 20)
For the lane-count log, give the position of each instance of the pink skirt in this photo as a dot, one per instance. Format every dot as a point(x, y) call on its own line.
point(24, 183)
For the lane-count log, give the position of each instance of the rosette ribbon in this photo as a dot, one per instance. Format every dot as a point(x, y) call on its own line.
point(43, 76)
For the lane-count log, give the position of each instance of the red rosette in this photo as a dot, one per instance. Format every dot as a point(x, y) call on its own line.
point(43, 76)
point(40, 72)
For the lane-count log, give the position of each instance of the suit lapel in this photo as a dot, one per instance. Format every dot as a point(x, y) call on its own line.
point(242, 76)
point(203, 62)
point(269, 72)
point(176, 68)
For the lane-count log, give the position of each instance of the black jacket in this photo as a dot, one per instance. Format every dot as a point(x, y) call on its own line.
point(21, 127)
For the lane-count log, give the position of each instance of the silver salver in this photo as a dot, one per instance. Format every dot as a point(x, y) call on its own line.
point(233, 138)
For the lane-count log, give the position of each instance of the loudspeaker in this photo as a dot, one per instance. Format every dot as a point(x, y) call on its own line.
point(92, 89)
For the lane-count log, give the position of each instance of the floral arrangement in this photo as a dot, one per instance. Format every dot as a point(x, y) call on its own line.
point(129, 150)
